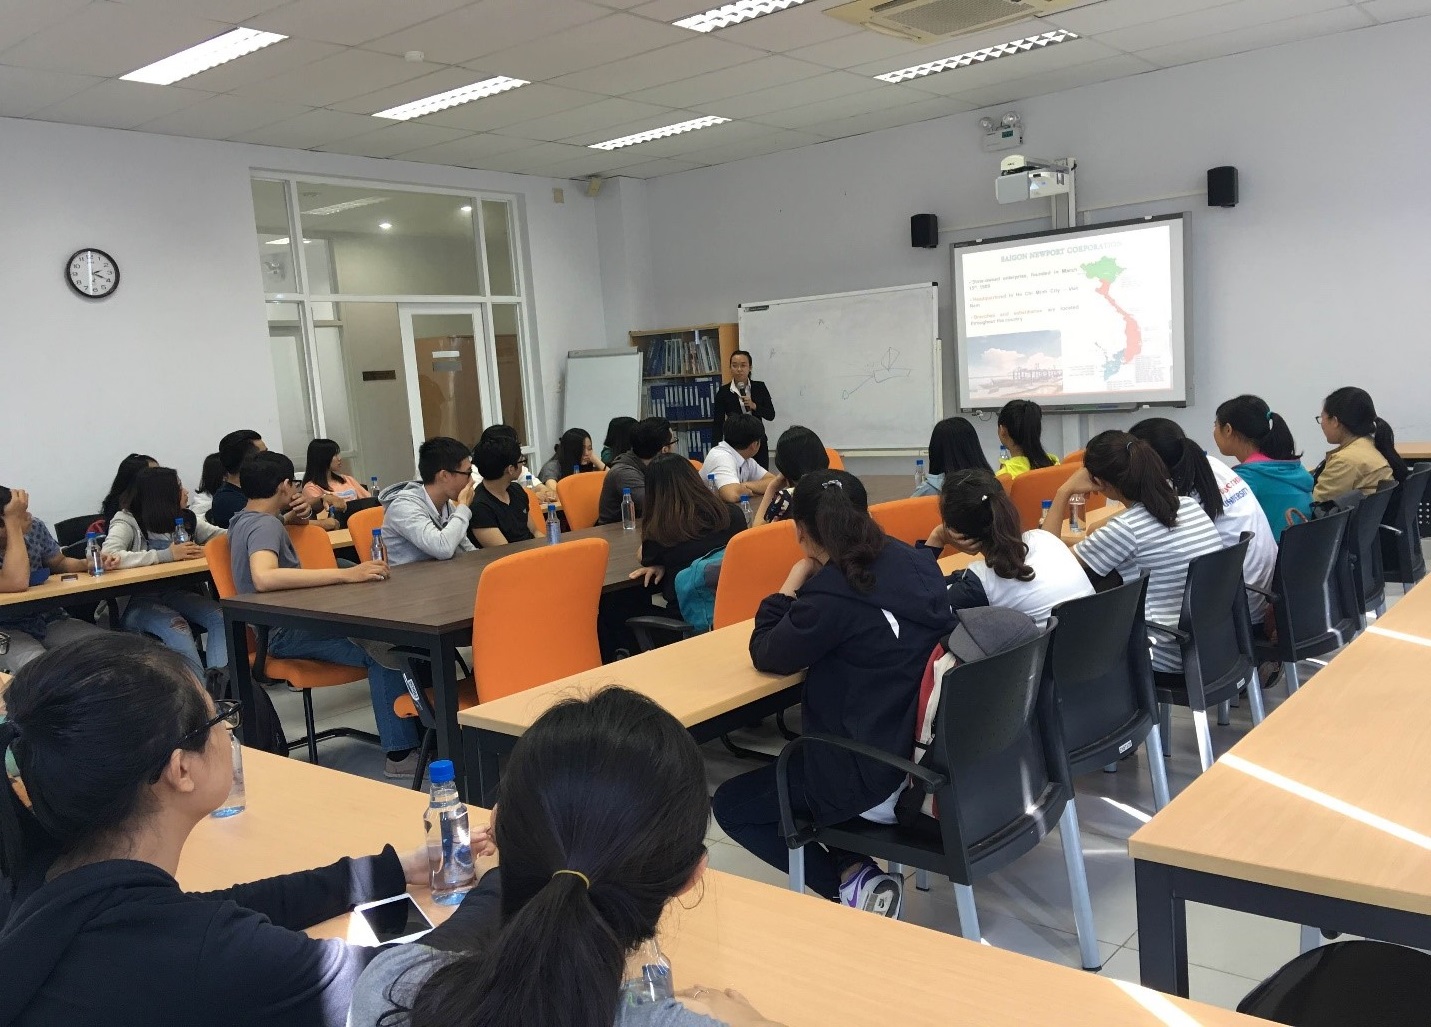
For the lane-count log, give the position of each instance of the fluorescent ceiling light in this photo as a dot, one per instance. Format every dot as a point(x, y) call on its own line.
point(280, 242)
point(385, 225)
point(658, 133)
point(733, 14)
point(989, 53)
point(338, 208)
point(209, 54)
point(466, 209)
point(451, 98)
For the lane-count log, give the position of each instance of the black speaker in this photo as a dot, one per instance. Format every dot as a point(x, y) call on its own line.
point(1222, 186)
point(924, 231)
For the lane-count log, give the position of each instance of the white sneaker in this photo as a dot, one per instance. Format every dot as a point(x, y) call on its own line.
point(874, 891)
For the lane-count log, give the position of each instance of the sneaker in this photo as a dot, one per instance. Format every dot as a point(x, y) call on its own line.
point(402, 769)
point(1268, 672)
point(874, 891)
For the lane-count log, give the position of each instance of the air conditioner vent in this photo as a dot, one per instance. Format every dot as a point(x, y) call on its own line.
point(932, 21)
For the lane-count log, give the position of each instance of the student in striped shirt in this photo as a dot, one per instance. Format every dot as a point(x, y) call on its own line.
point(1158, 535)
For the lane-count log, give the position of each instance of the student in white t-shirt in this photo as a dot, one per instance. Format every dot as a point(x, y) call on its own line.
point(1223, 496)
point(733, 461)
point(1031, 571)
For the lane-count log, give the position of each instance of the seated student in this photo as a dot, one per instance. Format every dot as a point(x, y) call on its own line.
point(862, 612)
point(325, 484)
point(1031, 571)
point(798, 452)
point(501, 511)
point(30, 554)
point(573, 455)
point(1259, 440)
point(264, 560)
point(122, 754)
point(1366, 447)
point(649, 439)
point(1223, 496)
point(618, 438)
point(583, 883)
point(953, 446)
point(210, 478)
point(732, 461)
point(1021, 433)
point(683, 521)
point(229, 498)
point(141, 535)
point(1158, 535)
point(123, 485)
point(428, 519)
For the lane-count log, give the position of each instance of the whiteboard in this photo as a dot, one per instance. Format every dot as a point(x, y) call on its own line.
point(601, 384)
point(861, 369)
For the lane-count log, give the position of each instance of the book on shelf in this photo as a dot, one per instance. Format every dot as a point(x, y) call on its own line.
point(693, 400)
point(675, 355)
point(693, 442)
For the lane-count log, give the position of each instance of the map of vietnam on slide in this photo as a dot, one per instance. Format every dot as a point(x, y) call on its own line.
point(1105, 272)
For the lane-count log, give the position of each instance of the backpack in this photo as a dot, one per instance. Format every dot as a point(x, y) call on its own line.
point(262, 728)
point(695, 590)
point(914, 801)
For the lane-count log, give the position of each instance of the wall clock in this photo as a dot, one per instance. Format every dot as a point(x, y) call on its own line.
point(92, 273)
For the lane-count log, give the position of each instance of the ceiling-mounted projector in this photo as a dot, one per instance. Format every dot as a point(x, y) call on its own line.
point(1032, 178)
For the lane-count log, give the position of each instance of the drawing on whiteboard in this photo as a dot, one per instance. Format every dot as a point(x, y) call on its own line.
point(884, 371)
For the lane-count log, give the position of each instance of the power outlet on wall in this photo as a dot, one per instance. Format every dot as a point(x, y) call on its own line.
point(558, 195)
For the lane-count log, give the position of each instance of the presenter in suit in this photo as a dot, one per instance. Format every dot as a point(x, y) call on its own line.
point(743, 395)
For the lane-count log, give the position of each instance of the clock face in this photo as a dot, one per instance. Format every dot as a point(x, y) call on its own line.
point(92, 273)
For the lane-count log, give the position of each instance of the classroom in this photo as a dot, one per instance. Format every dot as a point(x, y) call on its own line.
point(801, 512)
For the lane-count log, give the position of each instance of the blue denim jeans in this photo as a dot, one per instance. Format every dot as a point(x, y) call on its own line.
point(168, 617)
point(385, 685)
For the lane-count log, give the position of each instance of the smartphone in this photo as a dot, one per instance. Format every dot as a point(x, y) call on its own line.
point(69, 577)
point(398, 919)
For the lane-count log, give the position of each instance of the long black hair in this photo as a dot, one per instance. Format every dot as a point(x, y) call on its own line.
point(1186, 462)
point(570, 448)
point(1023, 420)
point(1134, 468)
point(92, 725)
point(975, 505)
point(833, 508)
point(1357, 413)
point(798, 452)
point(120, 489)
point(954, 445)
point(618, 435)
point(320, 462)
point(212, 475)
point(1254, 420)
point(678, 505)
point(154, 500)
point(611, 788)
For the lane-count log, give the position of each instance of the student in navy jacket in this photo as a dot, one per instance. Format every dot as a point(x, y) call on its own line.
point(862, 613)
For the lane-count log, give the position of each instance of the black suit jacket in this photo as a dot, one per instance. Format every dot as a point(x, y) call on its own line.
point(727, 403)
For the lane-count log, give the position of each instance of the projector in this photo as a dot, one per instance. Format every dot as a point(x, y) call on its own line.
point(1031, 178)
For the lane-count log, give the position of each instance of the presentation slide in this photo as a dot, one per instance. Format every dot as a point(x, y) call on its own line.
point(1075, 318)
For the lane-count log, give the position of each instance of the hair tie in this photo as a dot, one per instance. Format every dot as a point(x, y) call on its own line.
point(1270, 415)
point(575, 873)
point(983, 499)
point(1129, 446)
point(832, 483)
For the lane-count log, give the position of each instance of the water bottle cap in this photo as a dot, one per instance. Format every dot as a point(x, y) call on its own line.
point(440, 772)
point(626, 492)
point(1047, 504)
point(551, 508)
point(178, 520)
point(377, 532)
point(91, 534)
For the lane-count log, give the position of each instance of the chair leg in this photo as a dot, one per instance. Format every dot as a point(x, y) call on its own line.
point(1311, 937)
point(1224, 714)
point(744, 753)
point(1157, 769)
point(797, 870)
point(1110, 768)
point(789, 735)
point(921, 880)
point(1204, 738)
point(1165, 728)
point(424, 756)
point(896, 869)
point(968, 914)
point(311, 726)
point(1289, 671)
point(1254, 698)
point(1072, 844)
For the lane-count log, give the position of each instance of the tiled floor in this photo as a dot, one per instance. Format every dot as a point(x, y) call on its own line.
point(1025, 908)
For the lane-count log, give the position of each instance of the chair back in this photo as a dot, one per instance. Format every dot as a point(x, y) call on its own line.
point(837, 462)
point(219, 556)
point(909, 520)
point(1006, 482)
point(73, 529)
point(311, 544)
point(1315, 609)
point(523, 636)
point(537, 507)
point(1365, 982)
point(1030, 489)
point(1076, 457)
point(1401, 557)
point(361, 526)
point(1364, 543)
point(1217, 656)
point(697, 464)
point(756, 563)
point(1103, 675)
point(580, 496)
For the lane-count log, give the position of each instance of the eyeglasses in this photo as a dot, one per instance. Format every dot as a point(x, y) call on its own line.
point(1318, 418)
point(227, 712)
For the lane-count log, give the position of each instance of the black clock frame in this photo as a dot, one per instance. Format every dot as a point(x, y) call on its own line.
point(77, 290)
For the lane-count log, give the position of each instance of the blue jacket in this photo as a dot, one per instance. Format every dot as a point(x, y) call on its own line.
point(1279, 485)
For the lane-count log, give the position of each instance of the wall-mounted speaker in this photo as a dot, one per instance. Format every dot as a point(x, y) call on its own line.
point(1222, 186)
point(924, 231)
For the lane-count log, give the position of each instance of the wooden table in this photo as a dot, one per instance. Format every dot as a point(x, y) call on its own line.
point(886, 488)
point(801, 961)
point(340, 539)
point(1318, 817)
point(108, 585)
point(1414, 450)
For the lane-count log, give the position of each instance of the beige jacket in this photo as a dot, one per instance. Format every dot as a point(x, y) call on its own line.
point(1356, 465)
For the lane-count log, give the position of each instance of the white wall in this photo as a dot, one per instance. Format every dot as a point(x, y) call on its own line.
point(179, 354)
point(1316, 280)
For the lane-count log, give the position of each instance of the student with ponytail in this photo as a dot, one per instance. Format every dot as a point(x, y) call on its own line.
point(1030, 571)
point(1247, 430)
point(1158, 535)
point(1366, 447)
point(1021, 433)
point(860, 614)
point(601, 822)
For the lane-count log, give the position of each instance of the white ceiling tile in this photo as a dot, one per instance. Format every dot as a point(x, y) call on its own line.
point(225, 116)
point(487, 27)
point(537, 100)
point(528, 158)
point(22, 18)
point(734, 134)
point(755, 147)
point(1241, 14)
point(673, 10)
point(716, 85)
point(231, 11)
point(1286, 31)
point(842, 107)
point(270, 62)
point(593, 118)
point(116, 104)
point(309, 130)
point(1013, 67)
point(1107, 15)
point(1120, 66)
point(1396, 10)
point(397, 138)
point(25, 90)
point(619, 5)
point(592, 162)
point(854, 50)
point(406, 92)
point(789, 29)
point(350, 22)
point(469, 152)
point(584, 46)
point(109, 40)
point(828, 86)
point(695, 56)
point(906, 114)
point(656, 168)
point(343, 76)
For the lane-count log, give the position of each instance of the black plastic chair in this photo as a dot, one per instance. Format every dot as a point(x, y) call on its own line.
point(1313, 597)
point(1401, 557)
point(1368, 983)
point(1103, 678)
point(1364, 544)
point(1215, 635)
point(71, 531)
point(1008, 785)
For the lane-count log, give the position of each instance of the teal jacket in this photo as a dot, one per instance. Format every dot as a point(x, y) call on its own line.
point(1279, 485)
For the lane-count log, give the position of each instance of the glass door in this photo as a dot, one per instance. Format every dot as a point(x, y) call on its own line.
point(452, 376)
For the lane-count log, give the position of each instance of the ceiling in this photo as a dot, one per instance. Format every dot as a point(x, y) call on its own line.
point(598, 68)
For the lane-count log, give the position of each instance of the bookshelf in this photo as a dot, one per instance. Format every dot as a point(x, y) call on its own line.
point(682, 369)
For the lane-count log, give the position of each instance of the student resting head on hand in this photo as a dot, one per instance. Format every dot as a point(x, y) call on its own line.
point(798, 452)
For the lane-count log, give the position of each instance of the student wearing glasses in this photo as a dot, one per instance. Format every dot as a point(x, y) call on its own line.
point(501, 511)
point(427, 519)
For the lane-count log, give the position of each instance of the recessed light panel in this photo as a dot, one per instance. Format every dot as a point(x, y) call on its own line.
point(208, 54)
point(988, 53)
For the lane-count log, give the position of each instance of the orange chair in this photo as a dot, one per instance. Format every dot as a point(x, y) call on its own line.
point(755, 565)
point(909, 520)
point(837, 462)
point(538, 508)
point(1076, 457)
point(361, 526)
point(580, 496)
point(513, 645)
point(1031, 488)
point(1006, 481)
point(697, 464)
point(311, 544)
point(303, 675)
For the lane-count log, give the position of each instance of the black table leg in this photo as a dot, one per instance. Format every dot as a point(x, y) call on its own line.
point(1162, 930)
point(443, 654)
point(238, 664)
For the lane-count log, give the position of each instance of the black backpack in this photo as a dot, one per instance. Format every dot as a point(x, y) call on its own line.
point(262, 728)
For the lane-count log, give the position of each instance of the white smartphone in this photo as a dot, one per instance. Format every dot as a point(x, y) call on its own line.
point(398, 919)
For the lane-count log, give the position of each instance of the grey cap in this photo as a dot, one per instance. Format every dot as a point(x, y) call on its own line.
point(986, 630)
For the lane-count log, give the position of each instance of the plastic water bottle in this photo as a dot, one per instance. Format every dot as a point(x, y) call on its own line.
point(92, 553)
point(1046, 505)
point(553, 525)
point(745, 509)
point(576, 468)
point(655, 983)
point(449, 840)
point(918, 472)
point(1075, 513)
point(710, 480)
point(181, 533)
point(237, 801)
point(628, 511)
point(379, 548)
point(1003, 452)
point(527, 480)
point(373, 486)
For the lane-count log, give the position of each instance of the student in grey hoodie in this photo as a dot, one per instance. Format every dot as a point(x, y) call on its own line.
point(428, 519)
point(649, 439)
